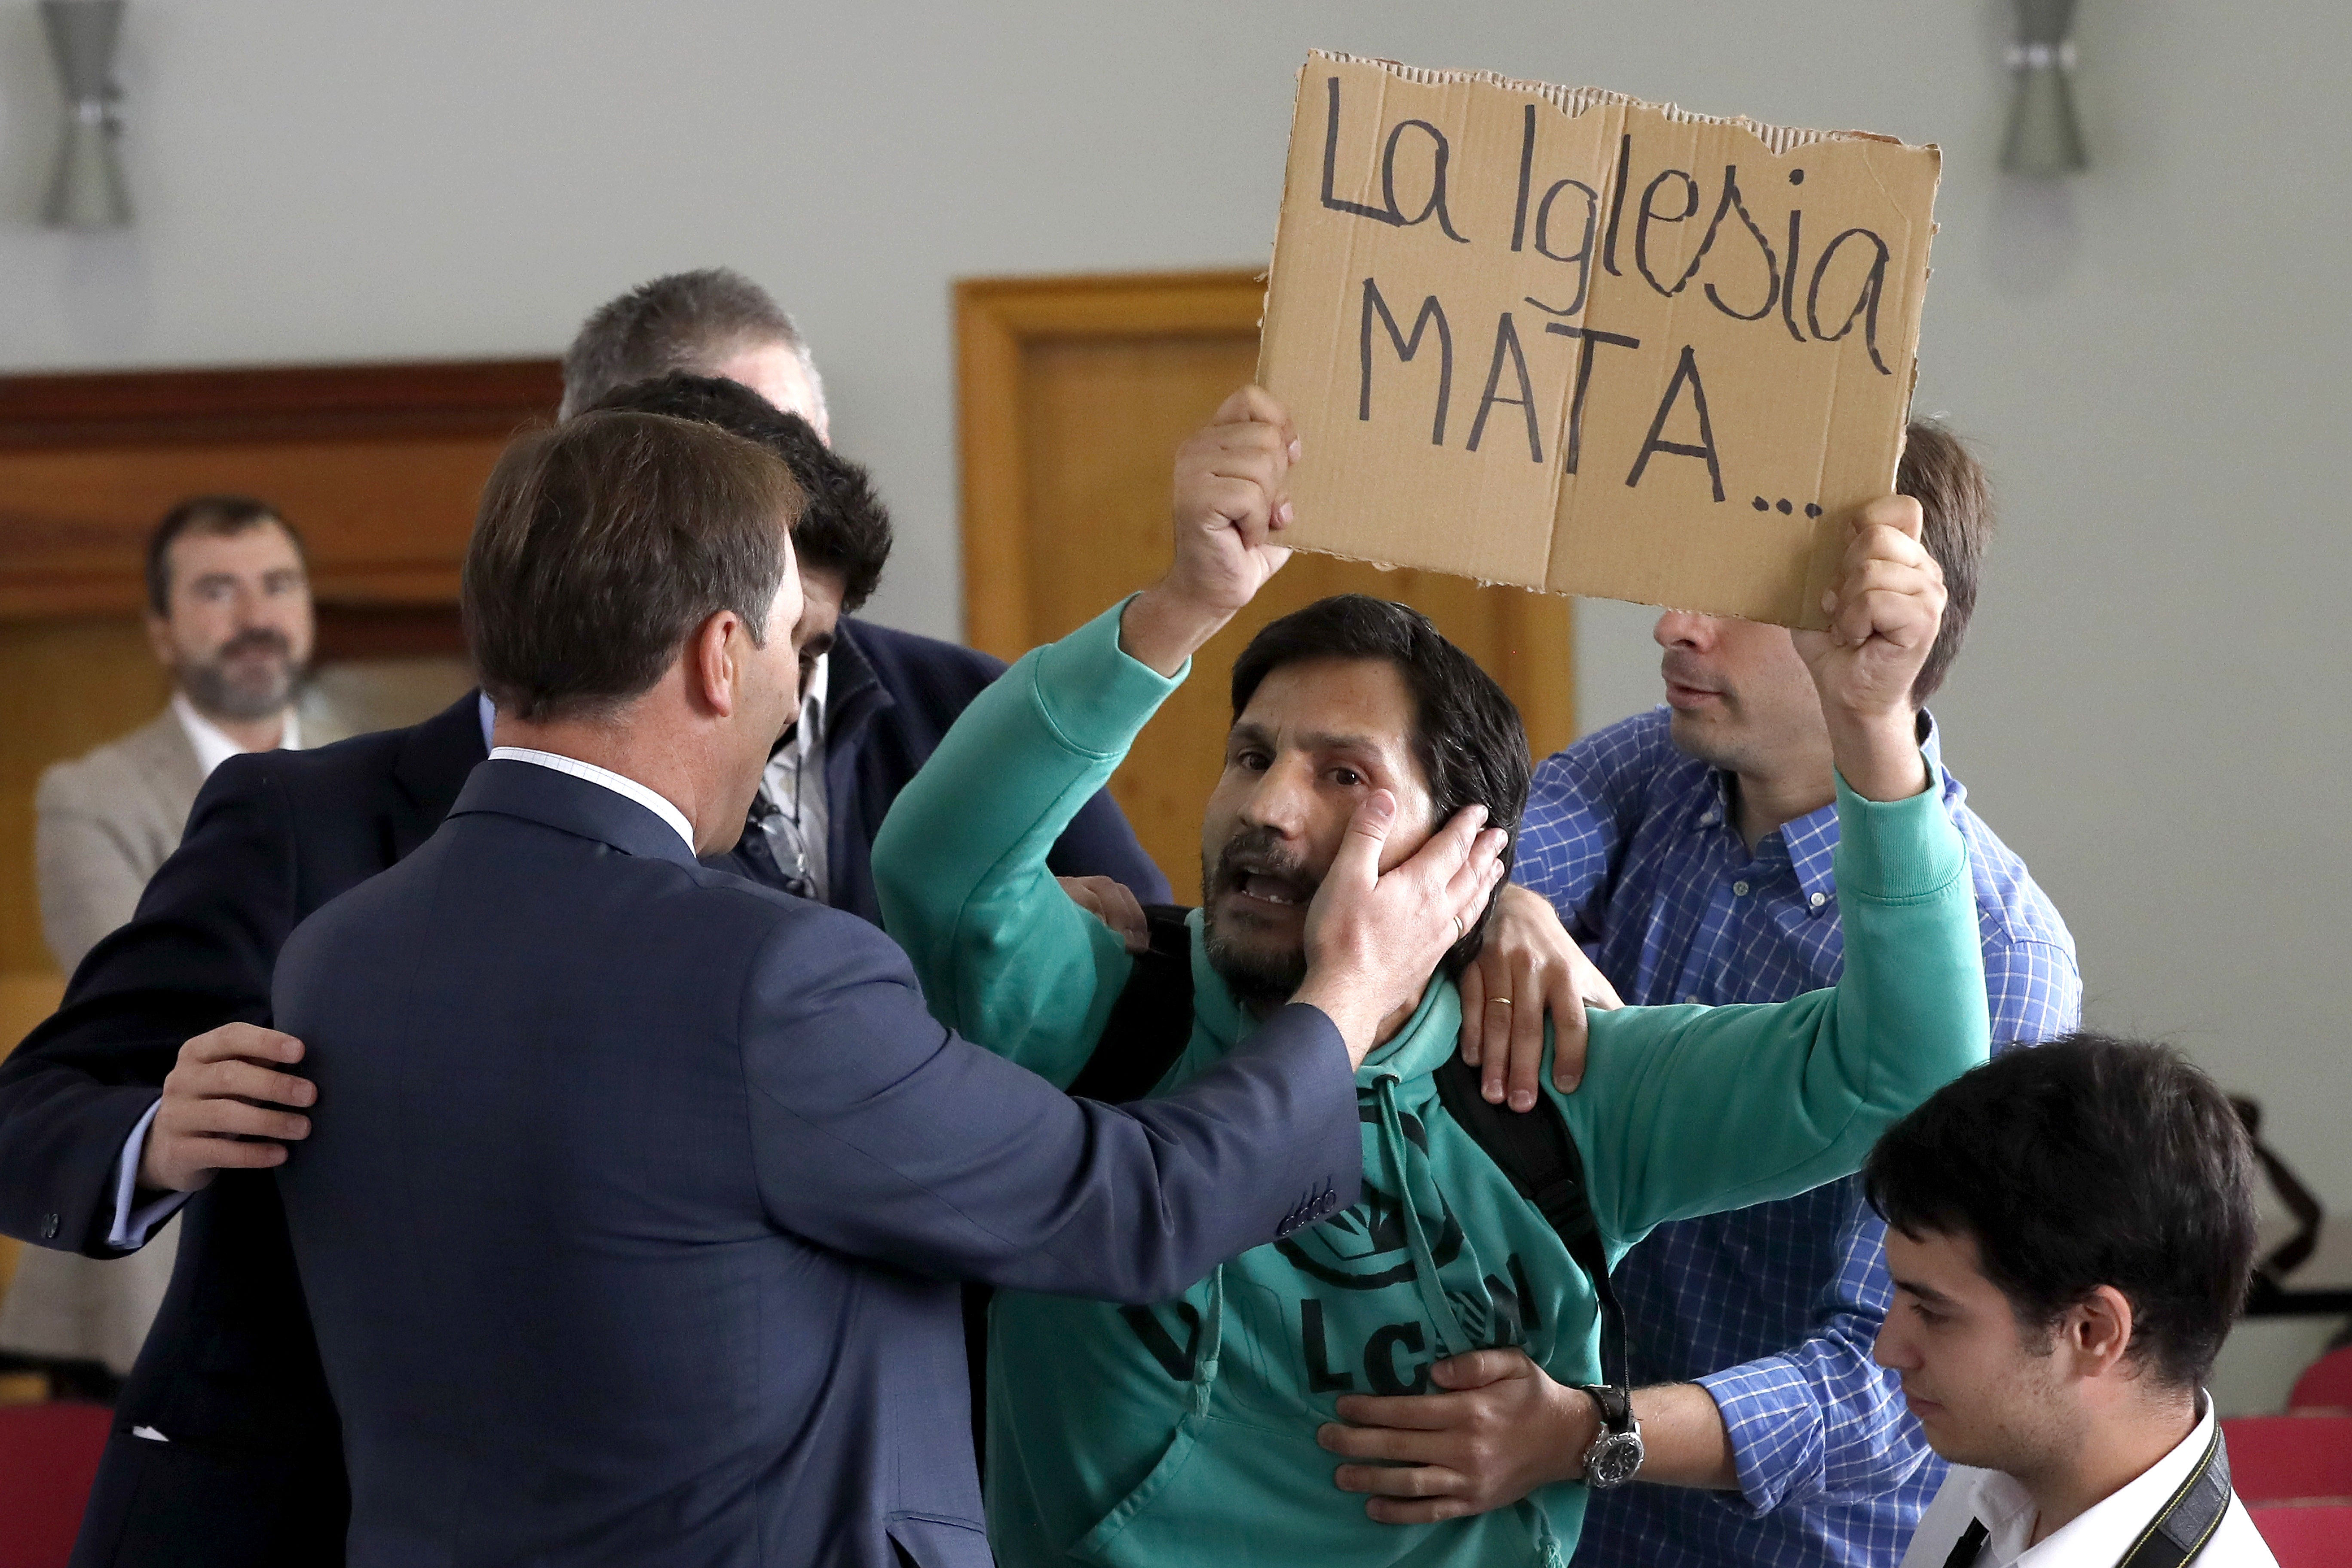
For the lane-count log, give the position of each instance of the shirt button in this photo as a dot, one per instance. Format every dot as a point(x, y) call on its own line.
point(1739, 889)
point(1820, 899)
point(49, 1227)
point(1707, 821)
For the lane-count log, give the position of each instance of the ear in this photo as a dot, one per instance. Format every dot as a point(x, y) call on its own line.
point(713, 668)
point(159, 638)
point(2097, 1331)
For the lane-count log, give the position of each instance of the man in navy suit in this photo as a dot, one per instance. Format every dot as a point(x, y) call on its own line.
point(631, 1233)
point(159, 1078)
point(874, 700)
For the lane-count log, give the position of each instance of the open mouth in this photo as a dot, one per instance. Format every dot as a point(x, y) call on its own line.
point(1266, 889)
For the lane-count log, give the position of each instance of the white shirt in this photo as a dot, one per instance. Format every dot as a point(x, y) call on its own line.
point(2098, 1538)
point(798, 832)
point(618, 783)
point(132, 1226)
point(213, 746)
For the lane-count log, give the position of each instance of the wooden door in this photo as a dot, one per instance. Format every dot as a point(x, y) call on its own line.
point(1075, 395)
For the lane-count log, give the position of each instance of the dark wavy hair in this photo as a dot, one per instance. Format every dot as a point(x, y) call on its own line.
point(843, 527)
point(2087, 1162)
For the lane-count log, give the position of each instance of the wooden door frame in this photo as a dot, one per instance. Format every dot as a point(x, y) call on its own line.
point(52, 568)
point(997, 318)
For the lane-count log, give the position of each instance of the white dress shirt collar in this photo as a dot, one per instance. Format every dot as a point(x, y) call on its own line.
point(2099, 1537)
point(213, 746)
point(618, 783)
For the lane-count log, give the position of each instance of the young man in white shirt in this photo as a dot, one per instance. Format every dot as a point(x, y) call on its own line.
point(2070, 1231)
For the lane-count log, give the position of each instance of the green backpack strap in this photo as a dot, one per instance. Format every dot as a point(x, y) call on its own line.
point(1537, 1152)
point(1152, 1022)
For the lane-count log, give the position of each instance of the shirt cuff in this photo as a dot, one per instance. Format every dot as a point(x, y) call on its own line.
point(133, 1227)
point(1896, 850)
point(1771, 1443)
point(1096, 695)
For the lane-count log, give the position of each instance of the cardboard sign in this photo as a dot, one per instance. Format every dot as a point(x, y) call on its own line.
point(1563, 339)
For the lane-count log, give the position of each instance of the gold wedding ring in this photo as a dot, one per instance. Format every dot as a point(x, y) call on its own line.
point(1505, 1001)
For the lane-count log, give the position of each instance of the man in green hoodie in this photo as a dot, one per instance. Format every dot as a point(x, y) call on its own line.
point(1184, 1433)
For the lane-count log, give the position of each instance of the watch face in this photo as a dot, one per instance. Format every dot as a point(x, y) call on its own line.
point(1613, 1459)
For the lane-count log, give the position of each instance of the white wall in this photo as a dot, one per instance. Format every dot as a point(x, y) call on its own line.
point(2148, 708)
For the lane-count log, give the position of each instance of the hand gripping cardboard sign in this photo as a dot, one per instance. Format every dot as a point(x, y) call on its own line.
point(1563, 339)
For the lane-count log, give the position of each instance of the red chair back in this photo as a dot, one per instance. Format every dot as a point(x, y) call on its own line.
point(2326, 1383)
point(48, 1456)
point(2282, 1459)
point(2312, 1535)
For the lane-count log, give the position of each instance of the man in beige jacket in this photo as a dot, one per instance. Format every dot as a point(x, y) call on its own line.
point(230, 615)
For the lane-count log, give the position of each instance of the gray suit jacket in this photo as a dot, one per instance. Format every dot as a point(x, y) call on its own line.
point(630, 1217)
point(107, 819)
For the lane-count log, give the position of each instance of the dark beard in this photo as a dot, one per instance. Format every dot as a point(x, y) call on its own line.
point(1260, 982)
point(214, 691)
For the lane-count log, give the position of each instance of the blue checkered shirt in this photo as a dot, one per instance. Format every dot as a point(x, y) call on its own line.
point(1774, 1308)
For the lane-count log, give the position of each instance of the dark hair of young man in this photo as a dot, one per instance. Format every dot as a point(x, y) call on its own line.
point(1467, 734)
point(844, 528)
point(603, 541)
point(219, 516)
point(687, 320)
point(1956, 503)
point(2087, 1162)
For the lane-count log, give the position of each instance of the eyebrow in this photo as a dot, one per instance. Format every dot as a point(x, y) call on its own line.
point(1926, 1293)
point(1315, 741)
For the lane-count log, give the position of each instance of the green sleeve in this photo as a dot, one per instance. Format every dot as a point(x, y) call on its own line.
point(1691, 1111)
point(1004, 957)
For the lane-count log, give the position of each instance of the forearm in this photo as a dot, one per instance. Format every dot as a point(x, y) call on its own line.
point(1684, 1440)
point(1694, 1111)
point(1818, 1423)
point(960, 864)
point(62, 1137)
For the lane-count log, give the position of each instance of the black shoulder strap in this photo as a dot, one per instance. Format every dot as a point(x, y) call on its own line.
point(2188, 1519)
point(2176, 1535)
point(1535, 1149)
point(1152, 1022)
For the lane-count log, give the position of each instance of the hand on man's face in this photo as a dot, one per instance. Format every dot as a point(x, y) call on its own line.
point(1314, 741)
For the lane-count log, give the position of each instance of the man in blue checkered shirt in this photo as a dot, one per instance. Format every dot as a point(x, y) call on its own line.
point(1689, 849)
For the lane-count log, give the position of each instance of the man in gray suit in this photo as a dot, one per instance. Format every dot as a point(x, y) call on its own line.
point(229, 616)
point(630, 1217)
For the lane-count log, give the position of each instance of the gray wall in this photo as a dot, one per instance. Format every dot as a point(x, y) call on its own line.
point(2147, 357)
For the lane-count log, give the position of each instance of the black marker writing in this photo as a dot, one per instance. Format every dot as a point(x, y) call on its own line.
point(1431, 311)
point(1592, 339)
point(1686, 371)
point(1507, 340)
point(1393, 213)
point(1866, 304)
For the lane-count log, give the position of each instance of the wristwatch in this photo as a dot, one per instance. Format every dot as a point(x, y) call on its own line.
point(1616, 1451)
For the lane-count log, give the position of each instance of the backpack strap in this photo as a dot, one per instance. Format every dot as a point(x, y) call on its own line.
point(1536, 1150)
point(1152, 1022)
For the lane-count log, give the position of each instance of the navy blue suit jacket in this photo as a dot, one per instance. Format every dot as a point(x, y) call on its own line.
point(630, 1236)
point(252, 1476)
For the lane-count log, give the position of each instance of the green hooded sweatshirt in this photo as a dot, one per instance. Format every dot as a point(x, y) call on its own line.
point(1183, 1432)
